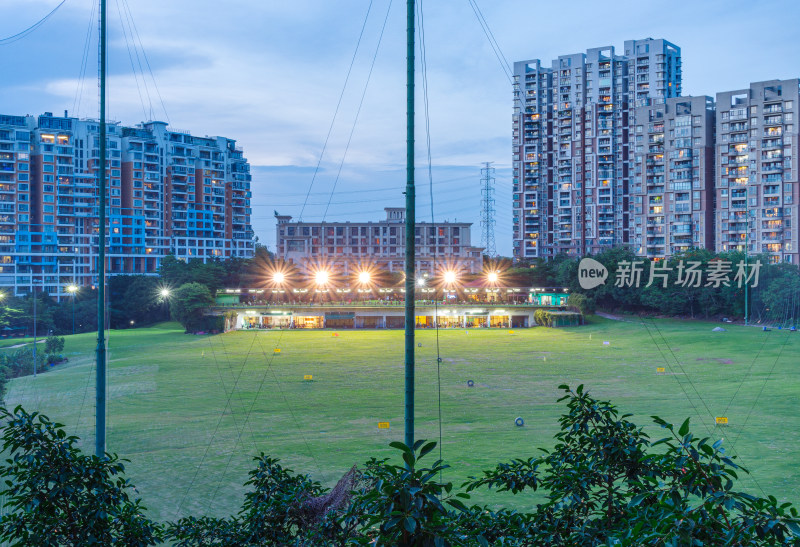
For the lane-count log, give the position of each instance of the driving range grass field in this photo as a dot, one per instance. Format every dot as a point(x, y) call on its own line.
point(190, 412)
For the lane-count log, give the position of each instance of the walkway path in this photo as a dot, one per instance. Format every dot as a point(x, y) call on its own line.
point(25, 344)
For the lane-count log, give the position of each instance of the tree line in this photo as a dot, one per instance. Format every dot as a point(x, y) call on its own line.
point(132, 300)
point(135, 300)
point(776, 298)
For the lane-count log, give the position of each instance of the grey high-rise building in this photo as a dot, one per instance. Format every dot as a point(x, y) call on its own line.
point(571, 151)
point(673, 176)
point(757, 172)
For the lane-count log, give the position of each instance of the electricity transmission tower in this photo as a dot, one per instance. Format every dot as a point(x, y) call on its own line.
point(487, 210)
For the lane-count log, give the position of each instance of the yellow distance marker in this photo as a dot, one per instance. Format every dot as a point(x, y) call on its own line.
point(277, 350)
point(661, 370)
point(308, 377)
point(721, 420)
point(383, 425)
point(511, 332)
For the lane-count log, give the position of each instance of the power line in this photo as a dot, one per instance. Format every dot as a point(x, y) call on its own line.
point(358, 111)
point(22, 34)
point(130, 56)
point(424, 64)
point(127, 16)
point(336, 111)
point(385, 189)
point(146, 60)
point(216, 429)
point(84, 63)
point(504, 65)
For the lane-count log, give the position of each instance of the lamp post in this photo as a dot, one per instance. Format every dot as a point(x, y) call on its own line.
point(72, 289)
point(33, 290)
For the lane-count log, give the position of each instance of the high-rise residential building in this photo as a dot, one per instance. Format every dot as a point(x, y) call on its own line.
point(673, 176)
point(167, 192)
point(572, 162)
point(348, 247)
point(757, 170)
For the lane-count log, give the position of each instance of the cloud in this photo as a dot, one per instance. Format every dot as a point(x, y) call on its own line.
point(270, 73)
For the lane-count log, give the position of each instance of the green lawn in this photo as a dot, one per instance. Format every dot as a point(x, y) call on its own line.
point(190, 412)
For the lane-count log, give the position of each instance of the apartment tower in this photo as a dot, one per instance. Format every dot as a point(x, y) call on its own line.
point(757, 172)
point(168, 192)
point(572, 161)
point(673, 176)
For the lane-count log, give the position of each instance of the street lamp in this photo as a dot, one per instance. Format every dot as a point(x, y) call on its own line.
point(164, 293)
point(72, 289)
point(492, 277)
point(364, 277)
point(449, 277)
point(278, 278)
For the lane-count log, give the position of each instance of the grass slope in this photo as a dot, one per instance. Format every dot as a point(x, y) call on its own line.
point(190, 412)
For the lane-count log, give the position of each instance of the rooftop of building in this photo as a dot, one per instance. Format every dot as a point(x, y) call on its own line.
point(393, 215)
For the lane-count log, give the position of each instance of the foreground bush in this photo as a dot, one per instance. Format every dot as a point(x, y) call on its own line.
point(55, 495)
point(607, 484)
point(604, 483)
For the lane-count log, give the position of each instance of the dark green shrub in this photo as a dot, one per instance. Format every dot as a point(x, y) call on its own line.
point(55, 495)
point(582, 303)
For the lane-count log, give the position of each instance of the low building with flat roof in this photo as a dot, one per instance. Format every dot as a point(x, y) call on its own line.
point(349, 246)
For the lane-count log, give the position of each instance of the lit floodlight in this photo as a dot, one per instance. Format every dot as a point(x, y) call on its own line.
point(449, 277)
point(278, 277)
point(321, 277)
point(164, 293)
point(72, 288)
point(364, 277)
point(492, 277)
point(420, 282)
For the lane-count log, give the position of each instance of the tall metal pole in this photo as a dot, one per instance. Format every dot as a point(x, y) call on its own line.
point(100, 386)
point(410, 228)
point(34, 325)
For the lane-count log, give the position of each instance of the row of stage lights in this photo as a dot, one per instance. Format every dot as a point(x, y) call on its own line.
point(322, 278)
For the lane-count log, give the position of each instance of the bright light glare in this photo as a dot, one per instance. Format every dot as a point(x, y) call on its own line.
point(421, 282)
point(492, 277)
point(363, 277)
point(72, 288)
point(321, 277)
point(450, 277)
point(278, 277)
point(164, 292)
